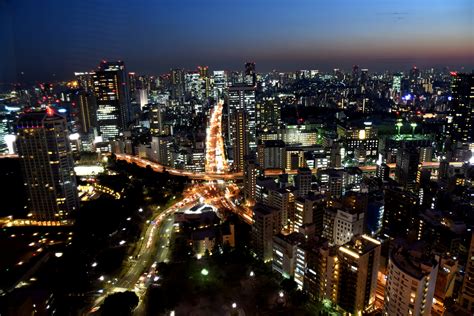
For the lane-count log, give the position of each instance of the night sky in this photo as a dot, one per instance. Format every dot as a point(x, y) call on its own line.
point(42, 38)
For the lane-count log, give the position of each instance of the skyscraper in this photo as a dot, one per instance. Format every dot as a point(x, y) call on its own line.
point(461, 118)
point(411, 281)
point(240, 140)
point(177, 84)
point(303, 181)
point(156, 120)
point(113, 98)
point(242, 98)
point(250, 179)
point(266, 224)
point(406, 170)
point(250, 77)
point(47, 165)
point(357, 274)
point(467, 290)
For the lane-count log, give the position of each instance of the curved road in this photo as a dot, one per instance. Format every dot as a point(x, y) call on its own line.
point(152, 247)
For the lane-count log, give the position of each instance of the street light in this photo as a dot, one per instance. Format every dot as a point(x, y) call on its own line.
point(413, 126)
point(399, 126)
point(234, 305)
point(204, 272)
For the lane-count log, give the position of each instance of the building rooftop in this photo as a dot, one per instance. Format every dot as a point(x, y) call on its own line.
point(412, 262)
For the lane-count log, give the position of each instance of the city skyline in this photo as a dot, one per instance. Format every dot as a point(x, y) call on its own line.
point(153, 37)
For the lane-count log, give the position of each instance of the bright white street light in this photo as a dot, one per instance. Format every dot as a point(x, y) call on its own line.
point(94, 264)
point(234, 305)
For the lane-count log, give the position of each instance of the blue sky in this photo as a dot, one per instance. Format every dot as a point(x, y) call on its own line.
point(60, 37)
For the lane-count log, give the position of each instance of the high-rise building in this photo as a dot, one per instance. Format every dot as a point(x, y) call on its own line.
point(303, 181)
point(467, 291)
point(314, 271)
point(284, 253)
point(219, 78)
point(250, 76)
point(242, 98)
point(356, 274)
point(397, 83)
point(84, 111)
point(461, 118)
point(156, 120)
point(161, 147)
point(47, 165)
point(266, 224)
point(411, 281)
point(177, 84)
point(304, 209)
point(111, 90)
point(347, 224)
point(406, 170)
point(279, 198)
point(400, 209)
point(240, 140)
point(250, 179)
point(271, 154)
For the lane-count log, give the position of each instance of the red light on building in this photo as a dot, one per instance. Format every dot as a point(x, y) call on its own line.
point(49, 111)
point(453, 73)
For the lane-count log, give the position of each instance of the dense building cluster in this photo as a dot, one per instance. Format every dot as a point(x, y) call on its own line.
point(360, 185)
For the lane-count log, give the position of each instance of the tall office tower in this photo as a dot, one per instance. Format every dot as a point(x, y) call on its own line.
point(243, 98)
point(279, 198)
point(266, 224)
point(85, 80)
point(133, 85)
point(240, 144)
point(406, 170)
point(397, 83)
point(461, 118)
point(400, 210)
point(113, 99)
point(355, 74)
point(414, 75)
point(47, 165)
point(271, 154)
point(357, 274)
point(411, 281)
point(156, 120)
point(84, 112)
point(219, 78)
point(250, 76)
point(268, 113)
point(250, 179)
point(466, 299)
point(303, 181)
point(177, 84)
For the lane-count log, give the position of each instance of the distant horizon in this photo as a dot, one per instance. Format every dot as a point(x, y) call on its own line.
point(325, 70)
